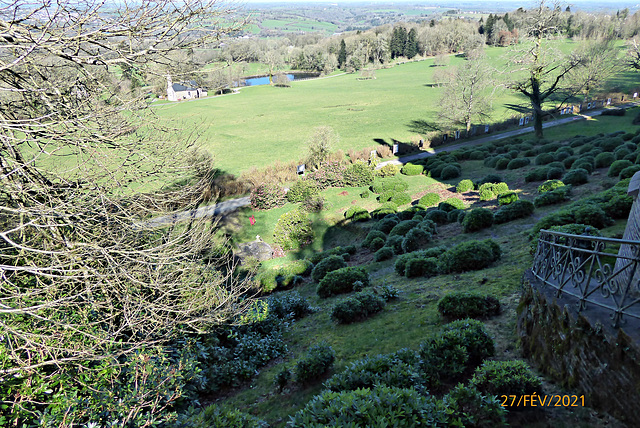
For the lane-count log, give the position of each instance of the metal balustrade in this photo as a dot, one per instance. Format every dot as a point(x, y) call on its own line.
point(580, 266)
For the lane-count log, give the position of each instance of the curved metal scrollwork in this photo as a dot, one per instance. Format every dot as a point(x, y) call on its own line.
point(595, 270)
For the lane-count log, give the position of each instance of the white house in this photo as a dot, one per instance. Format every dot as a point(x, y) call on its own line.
point(184, 90)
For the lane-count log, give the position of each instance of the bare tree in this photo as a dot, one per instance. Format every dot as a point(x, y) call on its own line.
point(600, 62)
point(633, 54)
point(320, 144)
point(83, 282)
point(467, 92)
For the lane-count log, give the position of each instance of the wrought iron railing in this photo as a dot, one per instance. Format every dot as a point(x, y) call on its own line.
point(580, 266)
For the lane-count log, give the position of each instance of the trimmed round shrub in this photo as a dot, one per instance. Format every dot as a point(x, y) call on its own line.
point(622, 153)
point(267, 196)
point(341, 281)
point(549, 185)
point(395, 243)
point(518, 163)
point(592, 215)
point(302, 190)
point(461, 216)
point(452, 216)
point(460, 305)
point(555, 173)
point(421, 266)
point(604, 160)
point(537, 174)
point(618, 206)
point(429, 200)
point(555, 196)
point(415, 239)
point(464, 186)
point(318, 361)
point(449, 172)
point(398, 198)
point(382, 185)
point(473, 409)
point(451, 204)
point(216, 416)
point(568, 162)
point(353, 211)
point(381, 406)
point(386, 209)
point(437, 216)
point(403, 227)
point(513, 211)
point(477, 155)
point(412, 169)
point(616, 167)
point(293, 230)
point(576, 177)
point(507, 198)
point(544, 158)
point(506, 378)
point(386, 224)
point(376, 244)
point(477, 219)
point(366, 243)
point(357, 308)
point(469, 255)
point(629, 171)
point(584, 164)
point(429, 226)
point(502, 164)
point(389, 170)
point(327, 265)
point(384, 253)
point(365, 194)
point(491, 178)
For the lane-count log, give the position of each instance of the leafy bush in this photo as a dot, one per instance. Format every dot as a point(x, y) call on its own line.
point(384, 210)
point(395, 243)
point(356, 213)
point(384, 253)
point(451, 204)
point(341, 281)
point(386, 224)
point(412, 169)
point(429, 200)
point(376, 244)
point(398, 198)
point(472, 409)
point(437, 216)
point(452, 216)
point(507, 198)
point(518, 163)
point(618, 206)
point(389, 170)
point(613, 112)
point(357, 308)
point(328, 174)
point(502, 164)
point(395, 184)
point(449, 172)
point(403, 227)
point(469, 255)
point(329, 264)
point(464, 186)
point(317, 257)
point(616, 167)
point(550, 185)
point(216, 416)
point(293, 230)
point(516, 210)
point(358, 174)
point(576, 177)
point(381, 406)
point(365, 194)
point(302, 190)
point(402, 260)
point(556, 196)
point(505, 378)
point(421, 266)
point(491, 178)
point(460, 305)
point(318, 360)
point(490, 190)
point(267, 196)
point(603, 160)
point(629, 171)
point(537, 174)
point(477, 219)
point(415, 239)
point(429, 226)
point(289, 306)
point(592, 215)
point(544, 158)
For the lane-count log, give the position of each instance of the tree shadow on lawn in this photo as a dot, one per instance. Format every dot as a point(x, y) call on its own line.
point(403, 148)
point(422, 126)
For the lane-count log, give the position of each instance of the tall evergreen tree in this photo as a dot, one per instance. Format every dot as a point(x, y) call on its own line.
point(342, 54)
point(488, 26)
point(411, 47)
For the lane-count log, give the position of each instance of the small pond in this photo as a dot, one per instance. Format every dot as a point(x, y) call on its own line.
point(264, 80)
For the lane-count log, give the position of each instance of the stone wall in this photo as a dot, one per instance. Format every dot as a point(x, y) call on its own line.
point(585, 358)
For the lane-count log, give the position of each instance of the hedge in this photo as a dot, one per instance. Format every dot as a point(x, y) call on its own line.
point(341, 281)
point(459, 305)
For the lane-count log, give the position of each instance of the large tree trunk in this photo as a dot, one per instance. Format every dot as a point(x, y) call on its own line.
point(536, 105)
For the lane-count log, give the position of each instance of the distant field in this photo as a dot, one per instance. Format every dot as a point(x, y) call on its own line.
point(298, 24)
point(263, 124)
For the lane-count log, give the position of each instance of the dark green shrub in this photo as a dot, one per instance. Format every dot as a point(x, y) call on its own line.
point(507, 198)
point(616, 167)
point(568, 162)
point(610, 144)
point(427, 266)
point(460, 305)
point(437, 216)
point(477, 155)
point(384, 253)
point(464, 186)
point(461, 216)
point(336, 251)
point(415, 239)
point(357, 308)
point(491, 178)
point(555, 196)
point(365, 194)
point(412, 169)
point(381, 185)
point(355, 212)
point(378, 407)
point(555, 173)
point(267, 196)
point(376, 244)
point(473, 409)
point(550, 185)
point(477, 219)
point(506, 378)
point(429, 200)
point(560, 156)
point(451, 204)
point(282, 379)
point(452, 216)
point(318, 361)
point(401, 261)
point(216, 416)
point(576, 177)
point(544, 158)
point(386, 224)
point(429, 226)
point(449, 172)
point(366, 243)
point(537, 174)
point(518, 163)
point(293, 230)
point(618, 206)
point(613, 112)
point(582, 164)
point(341, 281)
point(502, 164)
point(302, 190)
point(403, 227)
point(592, 215)
point(395, 243)
point(327, 265)
point(384, 210)
point(359, 174)
point(516, 210)
point(289, 306)
point(629, 171)
point(491, 162)
point(604, 159)
point(469, 255)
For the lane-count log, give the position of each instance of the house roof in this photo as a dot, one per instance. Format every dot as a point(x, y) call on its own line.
point(178, 87)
